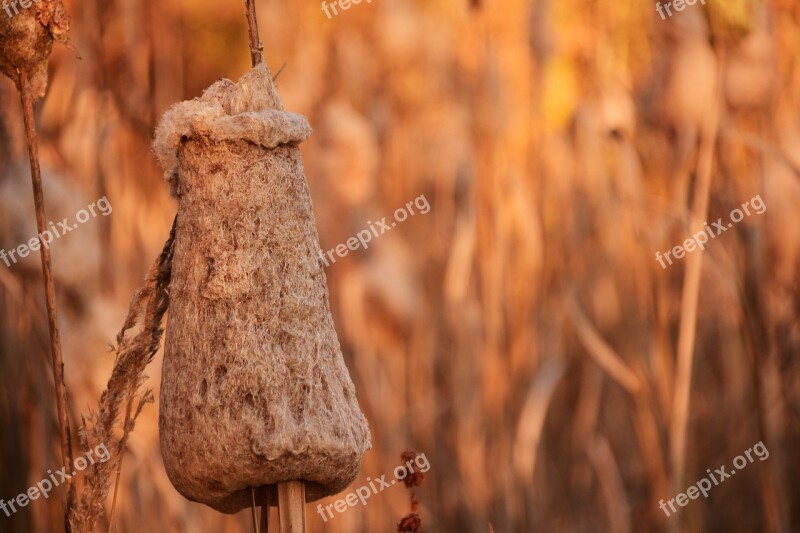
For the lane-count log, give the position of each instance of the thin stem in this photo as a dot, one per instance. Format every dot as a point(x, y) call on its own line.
point(292, 506)
point(256, 48)
point(265, 513)
point(691, 289)
point(253, 508)
point(49, 288)
point(123, 442)
point(275, 77)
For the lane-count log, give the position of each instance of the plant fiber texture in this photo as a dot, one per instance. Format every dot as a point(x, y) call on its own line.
point(254, 388)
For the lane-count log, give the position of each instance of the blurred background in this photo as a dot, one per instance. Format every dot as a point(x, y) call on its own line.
point(521, 334)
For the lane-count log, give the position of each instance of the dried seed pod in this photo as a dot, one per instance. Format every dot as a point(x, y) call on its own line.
point(254, 388)
point(26, 39)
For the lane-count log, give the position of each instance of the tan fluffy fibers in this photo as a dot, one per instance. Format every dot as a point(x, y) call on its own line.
point(254, 390)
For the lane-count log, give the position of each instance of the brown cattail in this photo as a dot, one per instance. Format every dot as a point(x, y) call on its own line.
point(254, 389)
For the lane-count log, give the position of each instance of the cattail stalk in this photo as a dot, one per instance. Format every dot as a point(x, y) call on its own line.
point(49, 287)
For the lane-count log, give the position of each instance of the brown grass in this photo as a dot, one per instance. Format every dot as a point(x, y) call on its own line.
point(125, 387)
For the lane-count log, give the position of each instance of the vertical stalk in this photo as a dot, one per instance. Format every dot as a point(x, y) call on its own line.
point(253, 509)
point(292, 506)
point(265, 513)
point(691, 286)
point(49, 288)
point(252, 29)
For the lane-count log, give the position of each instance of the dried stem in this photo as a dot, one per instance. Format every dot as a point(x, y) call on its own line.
point(256, 48)
point(265, 513)
point(123, 442)
point(253, 509)
point(49, 287)
point(133, 354)
point(291, 506)
point(691, 291)
point(602, 353)
point(275, 77)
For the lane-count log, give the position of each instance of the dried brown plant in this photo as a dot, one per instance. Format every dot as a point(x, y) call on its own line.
point(132, 355)
point(412, 522)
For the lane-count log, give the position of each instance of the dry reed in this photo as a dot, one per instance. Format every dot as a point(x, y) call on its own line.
point(132, 355)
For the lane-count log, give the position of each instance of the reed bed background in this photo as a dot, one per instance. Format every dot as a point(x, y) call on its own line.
point(521, 334)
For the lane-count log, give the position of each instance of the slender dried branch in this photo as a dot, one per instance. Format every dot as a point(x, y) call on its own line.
point(256, 48)
point(27, 97)
point(253, 509)
point(691, 290)
point(602, 353)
